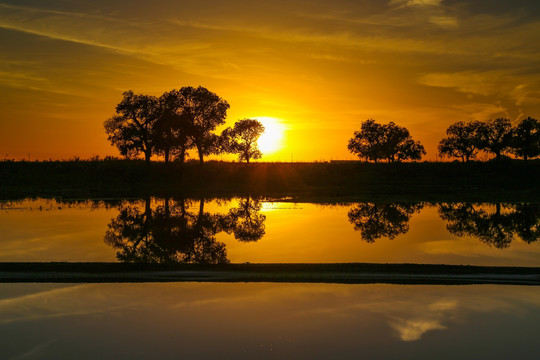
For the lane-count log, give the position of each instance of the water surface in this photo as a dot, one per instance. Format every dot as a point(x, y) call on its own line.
point(268, 321)
point(261, 231)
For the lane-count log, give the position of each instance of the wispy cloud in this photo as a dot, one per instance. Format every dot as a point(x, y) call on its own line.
point(416, 2)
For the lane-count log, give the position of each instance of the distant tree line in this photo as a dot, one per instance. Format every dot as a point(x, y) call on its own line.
point(498, 137)
point(178, 121)
point(393, 143)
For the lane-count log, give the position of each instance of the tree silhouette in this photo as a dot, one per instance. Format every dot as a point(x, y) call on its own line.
point(375, 141)
point(245, 221)
point(382, 220)
point(167, 234)
point(398, 144)
point(496, 136)
point(463, 141)
point(526, 139)
point(242, 139)
point(131, 130)
point(366, 143)
point(203, 111)
point(172, 128)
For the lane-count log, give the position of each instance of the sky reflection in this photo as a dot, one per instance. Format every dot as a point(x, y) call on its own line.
point(301, 321)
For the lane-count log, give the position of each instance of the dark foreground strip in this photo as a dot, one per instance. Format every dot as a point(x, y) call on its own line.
point(293, 273)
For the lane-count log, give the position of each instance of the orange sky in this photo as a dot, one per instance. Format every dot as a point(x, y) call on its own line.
point(321, 67)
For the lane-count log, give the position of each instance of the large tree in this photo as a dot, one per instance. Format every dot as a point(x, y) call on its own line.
point(391, 142)
point(203, 111)
point(242, 139)
point(172, 127)
point(131, 130)
point(526, 139)
point(366, 143)
point(496, 136)
point(464, 140)
point(398, 144)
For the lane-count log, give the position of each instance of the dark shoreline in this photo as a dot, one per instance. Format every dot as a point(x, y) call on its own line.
point(505, 181)
point(351, 273)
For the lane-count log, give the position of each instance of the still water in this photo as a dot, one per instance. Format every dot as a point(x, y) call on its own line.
point(257, 230)
point(268, 321)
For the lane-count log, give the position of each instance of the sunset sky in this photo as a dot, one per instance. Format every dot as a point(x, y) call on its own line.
point(319, 67)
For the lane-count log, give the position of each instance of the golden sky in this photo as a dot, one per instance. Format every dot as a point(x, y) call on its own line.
point(320, 67)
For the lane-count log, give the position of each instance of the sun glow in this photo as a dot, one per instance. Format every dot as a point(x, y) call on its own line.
point(271, 140)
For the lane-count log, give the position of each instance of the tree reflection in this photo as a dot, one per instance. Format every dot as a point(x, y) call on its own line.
point(245, 221)
point(168, 234)
point(375, 221)
point(496, 228)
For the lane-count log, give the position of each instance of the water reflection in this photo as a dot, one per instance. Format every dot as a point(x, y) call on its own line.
point(496, 225)
point(268, 321)
point(375, 221)
point(170, 233)
point(245, 221)
point(214, 231)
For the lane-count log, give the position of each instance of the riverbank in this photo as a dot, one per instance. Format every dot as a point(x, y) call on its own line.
point(355, 273)
point(510, 180)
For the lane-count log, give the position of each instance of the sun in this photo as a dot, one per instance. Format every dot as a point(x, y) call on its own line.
point(271, 140)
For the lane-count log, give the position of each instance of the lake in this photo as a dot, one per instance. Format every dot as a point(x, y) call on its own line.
point(246, 320)
point(268, 321)
point(261, 230)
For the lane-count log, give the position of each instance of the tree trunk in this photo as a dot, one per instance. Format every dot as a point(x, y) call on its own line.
point(147, 156)
point(201, 155)
point(167, 152)
point(183, 155)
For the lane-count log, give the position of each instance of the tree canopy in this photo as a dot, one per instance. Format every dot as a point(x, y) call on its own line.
point(203, 111)
point(464, 140)
point(132, 129)
point(242, 139)
point(526, 139)
point(169, 125)
point(388, 142)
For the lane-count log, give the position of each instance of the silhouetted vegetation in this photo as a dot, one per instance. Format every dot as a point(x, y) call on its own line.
point(171, 125)
point(496, 228)
point(131, 130)
point(242, 139)
point(466, 139)
point(526, 139)
point(388, 142)
point(512, 180)
point(375, 221)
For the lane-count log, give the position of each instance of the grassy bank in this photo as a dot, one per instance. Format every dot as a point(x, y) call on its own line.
point(354, 273)
point(476, 181)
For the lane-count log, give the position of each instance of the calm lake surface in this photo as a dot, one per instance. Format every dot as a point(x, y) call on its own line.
point(256, 230)
point(268, 321)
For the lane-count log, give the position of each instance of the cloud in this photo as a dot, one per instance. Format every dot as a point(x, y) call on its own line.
point(411, 3)
point(410, 330)
point(502, 84)
point(444, 21)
